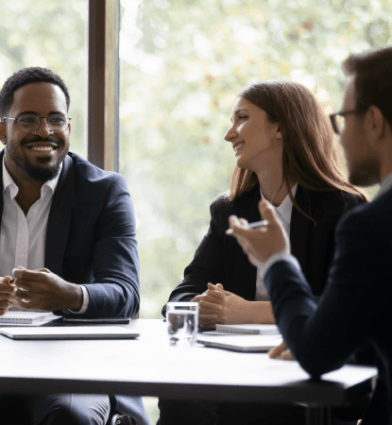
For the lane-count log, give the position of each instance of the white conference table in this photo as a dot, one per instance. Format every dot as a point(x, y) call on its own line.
point(151, 366)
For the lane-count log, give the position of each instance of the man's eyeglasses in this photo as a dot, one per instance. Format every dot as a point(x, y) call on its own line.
point(338, 121)
point(29, 123)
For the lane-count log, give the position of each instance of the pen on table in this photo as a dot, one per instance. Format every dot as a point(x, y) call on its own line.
point(255, 225)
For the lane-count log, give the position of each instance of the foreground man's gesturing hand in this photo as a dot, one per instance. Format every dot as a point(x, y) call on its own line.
point(261, 244)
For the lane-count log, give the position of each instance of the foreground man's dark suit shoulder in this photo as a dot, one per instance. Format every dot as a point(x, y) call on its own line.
point(358, 294)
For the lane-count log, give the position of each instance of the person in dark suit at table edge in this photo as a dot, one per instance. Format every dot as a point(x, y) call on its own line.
point(69, 226)
point(285, 152)
point(357, 304)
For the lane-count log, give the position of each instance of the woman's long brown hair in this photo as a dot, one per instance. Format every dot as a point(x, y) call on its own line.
point(310, 155)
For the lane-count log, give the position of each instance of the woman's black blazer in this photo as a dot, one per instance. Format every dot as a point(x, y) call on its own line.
point(220, 259)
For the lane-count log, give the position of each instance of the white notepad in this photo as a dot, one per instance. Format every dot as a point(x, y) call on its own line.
point(249, 329)
point(69, 332)
point(247, 343)
point(23, 318)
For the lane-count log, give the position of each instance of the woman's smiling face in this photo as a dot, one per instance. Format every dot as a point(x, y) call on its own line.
point(255, 140)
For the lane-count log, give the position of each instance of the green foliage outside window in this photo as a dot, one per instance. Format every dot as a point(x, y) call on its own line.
point(50, 34)
point(182, 64)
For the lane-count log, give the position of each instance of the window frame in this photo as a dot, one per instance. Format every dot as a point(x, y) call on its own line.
point(103, 84)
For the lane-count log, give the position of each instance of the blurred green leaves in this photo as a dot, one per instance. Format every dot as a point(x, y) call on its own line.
point(50, 34)
point(182, 64)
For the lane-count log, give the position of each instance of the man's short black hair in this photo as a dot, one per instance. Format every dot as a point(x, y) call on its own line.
point(27, 76)
point(373, 80)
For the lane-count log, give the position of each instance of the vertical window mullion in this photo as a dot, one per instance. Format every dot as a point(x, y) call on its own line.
point(103, 84)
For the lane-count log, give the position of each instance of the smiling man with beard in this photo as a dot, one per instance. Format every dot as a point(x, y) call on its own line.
point(67, 234)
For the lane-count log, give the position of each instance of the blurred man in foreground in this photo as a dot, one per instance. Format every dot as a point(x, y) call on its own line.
point(359, 285)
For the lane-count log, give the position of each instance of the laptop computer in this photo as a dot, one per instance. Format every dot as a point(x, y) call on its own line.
point(245, 343)
point(69, 332)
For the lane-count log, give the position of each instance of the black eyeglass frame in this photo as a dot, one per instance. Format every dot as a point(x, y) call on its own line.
point(332, 117)
point(68, 119)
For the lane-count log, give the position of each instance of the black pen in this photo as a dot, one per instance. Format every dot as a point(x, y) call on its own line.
point(254, 225)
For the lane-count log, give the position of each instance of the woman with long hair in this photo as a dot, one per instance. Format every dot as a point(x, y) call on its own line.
point(286, 153)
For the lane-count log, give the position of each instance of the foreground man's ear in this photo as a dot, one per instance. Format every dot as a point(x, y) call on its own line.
point(375, 124)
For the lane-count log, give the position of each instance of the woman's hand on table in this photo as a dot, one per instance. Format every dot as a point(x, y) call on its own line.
point(219, 306)
point(234, 308)
point(210, 306)
point(216, 305)
point(281, 352)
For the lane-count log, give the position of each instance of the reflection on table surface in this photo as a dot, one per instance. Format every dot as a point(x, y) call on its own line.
point(152, 366)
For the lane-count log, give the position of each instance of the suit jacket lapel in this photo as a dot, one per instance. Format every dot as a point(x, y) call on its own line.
point(60, 218)
point(238, 268)
point(300, 226)
point(254, 213)
point(247, 205)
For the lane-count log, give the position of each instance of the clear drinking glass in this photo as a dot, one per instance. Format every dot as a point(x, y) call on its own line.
point(182, 321)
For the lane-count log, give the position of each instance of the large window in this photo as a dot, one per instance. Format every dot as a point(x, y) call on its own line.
point(49, 34)
point(182, 64)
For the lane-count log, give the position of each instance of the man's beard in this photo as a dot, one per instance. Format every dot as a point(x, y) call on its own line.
point(366, 174)
point(42, 174)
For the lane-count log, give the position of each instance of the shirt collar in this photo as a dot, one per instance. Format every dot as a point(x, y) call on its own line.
point(385, 186)
point(285, 208)
point(8, 181)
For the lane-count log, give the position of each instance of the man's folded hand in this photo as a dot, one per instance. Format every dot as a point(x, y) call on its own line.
point(7, 297)
point(44, 290)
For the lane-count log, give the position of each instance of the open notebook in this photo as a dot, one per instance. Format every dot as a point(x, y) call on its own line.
point(27, 318)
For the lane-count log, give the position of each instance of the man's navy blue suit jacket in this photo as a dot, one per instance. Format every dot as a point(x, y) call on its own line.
point(355, 307)
point(90, 240)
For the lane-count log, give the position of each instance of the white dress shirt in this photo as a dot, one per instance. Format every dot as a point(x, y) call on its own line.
point(384, 186)
point(283, 211)
point(23, 237)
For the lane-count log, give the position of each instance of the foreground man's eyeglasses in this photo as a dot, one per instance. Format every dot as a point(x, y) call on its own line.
point(337, 120)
